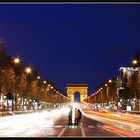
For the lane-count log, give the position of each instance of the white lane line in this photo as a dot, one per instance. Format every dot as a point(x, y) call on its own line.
point(58, 126)
point(61, 133)
point(83, 131)
point(91, 126)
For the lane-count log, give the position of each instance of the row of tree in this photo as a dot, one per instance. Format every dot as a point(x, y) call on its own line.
point(125, 87)
point(26, 85)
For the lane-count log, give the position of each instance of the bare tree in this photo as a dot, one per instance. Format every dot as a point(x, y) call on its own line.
point(22, 84)
point(8, 80)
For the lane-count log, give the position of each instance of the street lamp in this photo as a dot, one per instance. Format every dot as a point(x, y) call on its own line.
point(28, 71)
point(115, 91)
point(38, 77)
point(134, 62)
point(106, 85)
point(51, 94)
point(16, 61)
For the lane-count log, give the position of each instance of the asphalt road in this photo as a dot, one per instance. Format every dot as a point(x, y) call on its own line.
point(88, 128)
point(52, 124)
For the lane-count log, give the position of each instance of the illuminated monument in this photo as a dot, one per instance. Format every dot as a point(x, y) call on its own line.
point(77, 87)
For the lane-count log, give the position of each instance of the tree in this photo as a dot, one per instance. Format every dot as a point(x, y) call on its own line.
point(22, 84)
point(34, 89)
point(9, 80)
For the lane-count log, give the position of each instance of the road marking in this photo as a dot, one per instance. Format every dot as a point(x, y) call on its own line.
point(61, 133)
point(91, 126)
point(58, 126)
point(83, 131)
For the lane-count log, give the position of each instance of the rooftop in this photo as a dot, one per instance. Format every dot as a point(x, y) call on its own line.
point(77, 85)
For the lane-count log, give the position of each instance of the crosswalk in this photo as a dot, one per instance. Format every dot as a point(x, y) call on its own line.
point(73, 126)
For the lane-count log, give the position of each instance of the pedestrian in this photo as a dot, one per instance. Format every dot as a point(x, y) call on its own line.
point(80, 115)
point(76, 116)
point(70, 117)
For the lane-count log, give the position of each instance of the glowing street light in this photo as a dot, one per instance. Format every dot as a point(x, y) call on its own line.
point(44, 82)
point(38, 77)
point(16, 60)
point(28, 70)
point(135, 62)
point(110, 81)
point(106, 85)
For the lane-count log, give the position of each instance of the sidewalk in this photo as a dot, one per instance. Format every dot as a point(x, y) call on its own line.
point(6, 113)
point(132, 112)
point(125, 111)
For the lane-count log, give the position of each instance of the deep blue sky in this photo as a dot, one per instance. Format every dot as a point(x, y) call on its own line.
point(72, 42)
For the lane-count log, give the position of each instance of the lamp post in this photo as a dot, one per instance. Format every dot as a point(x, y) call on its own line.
point(28, 71)
point(42, 96)
point(115, 91)
point(134, 76)
point(107, 102)
point(38, 97)
point(16, 61)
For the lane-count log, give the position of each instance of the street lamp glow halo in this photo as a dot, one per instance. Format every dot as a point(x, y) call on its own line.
point(135, 62)
point(38, 77)
point(28, 69)
point(16, 60)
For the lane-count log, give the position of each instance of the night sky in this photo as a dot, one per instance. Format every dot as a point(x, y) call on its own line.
point(85, 43)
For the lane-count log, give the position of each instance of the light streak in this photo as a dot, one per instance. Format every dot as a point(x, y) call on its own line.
point(29, 125)
point(126, 124)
